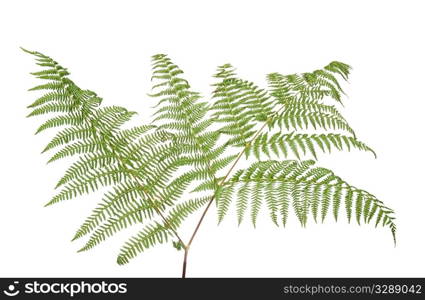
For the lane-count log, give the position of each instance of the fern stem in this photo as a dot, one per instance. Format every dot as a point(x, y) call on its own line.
point(213, 197)
point(223, 181)
point(186, 250)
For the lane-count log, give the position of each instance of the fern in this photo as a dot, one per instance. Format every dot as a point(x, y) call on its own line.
point(238, 104)
point(192, 147)
point(303, 144)
point(304, 186)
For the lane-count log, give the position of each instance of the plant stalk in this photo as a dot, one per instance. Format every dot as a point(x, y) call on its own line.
point(223, 181)
point(186, 250)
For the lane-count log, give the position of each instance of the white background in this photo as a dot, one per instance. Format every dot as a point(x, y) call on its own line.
point(107, 45)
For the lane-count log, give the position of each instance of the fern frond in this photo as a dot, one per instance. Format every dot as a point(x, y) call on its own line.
point(303, 144)
point(122, 196)
point(157, 233)
point(242, 201)
point(257, 198)
point(184, 209)
point(137, 214)
point(339, 68)
point(85, 164)
point(90, 182)
point(239, 104)
point(181, 113)
point(77, 148)
point(126, 136)
point(52, 108)
point(314, 86)
point(303, 185)
point(69, 135)
point(225, 196)
point(147, 169)
point(70, 119)
point(149, 237)
point(54, 86)
point(299, 118)
point(108, 119)
point(61, 96)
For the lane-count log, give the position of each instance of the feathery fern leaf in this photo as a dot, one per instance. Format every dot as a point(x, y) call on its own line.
point(303, 144)
point(239, 104)
point(149, 237)
point(303, 185)
point(122, 197)
point(156, 233)
point(144, 171)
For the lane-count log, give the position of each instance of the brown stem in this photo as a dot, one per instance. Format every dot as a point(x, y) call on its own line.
point(213, 196)
point(212, 200)
point(186, 250)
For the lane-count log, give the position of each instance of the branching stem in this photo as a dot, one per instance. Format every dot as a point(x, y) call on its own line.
point(222, 182)
point(186, 250)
